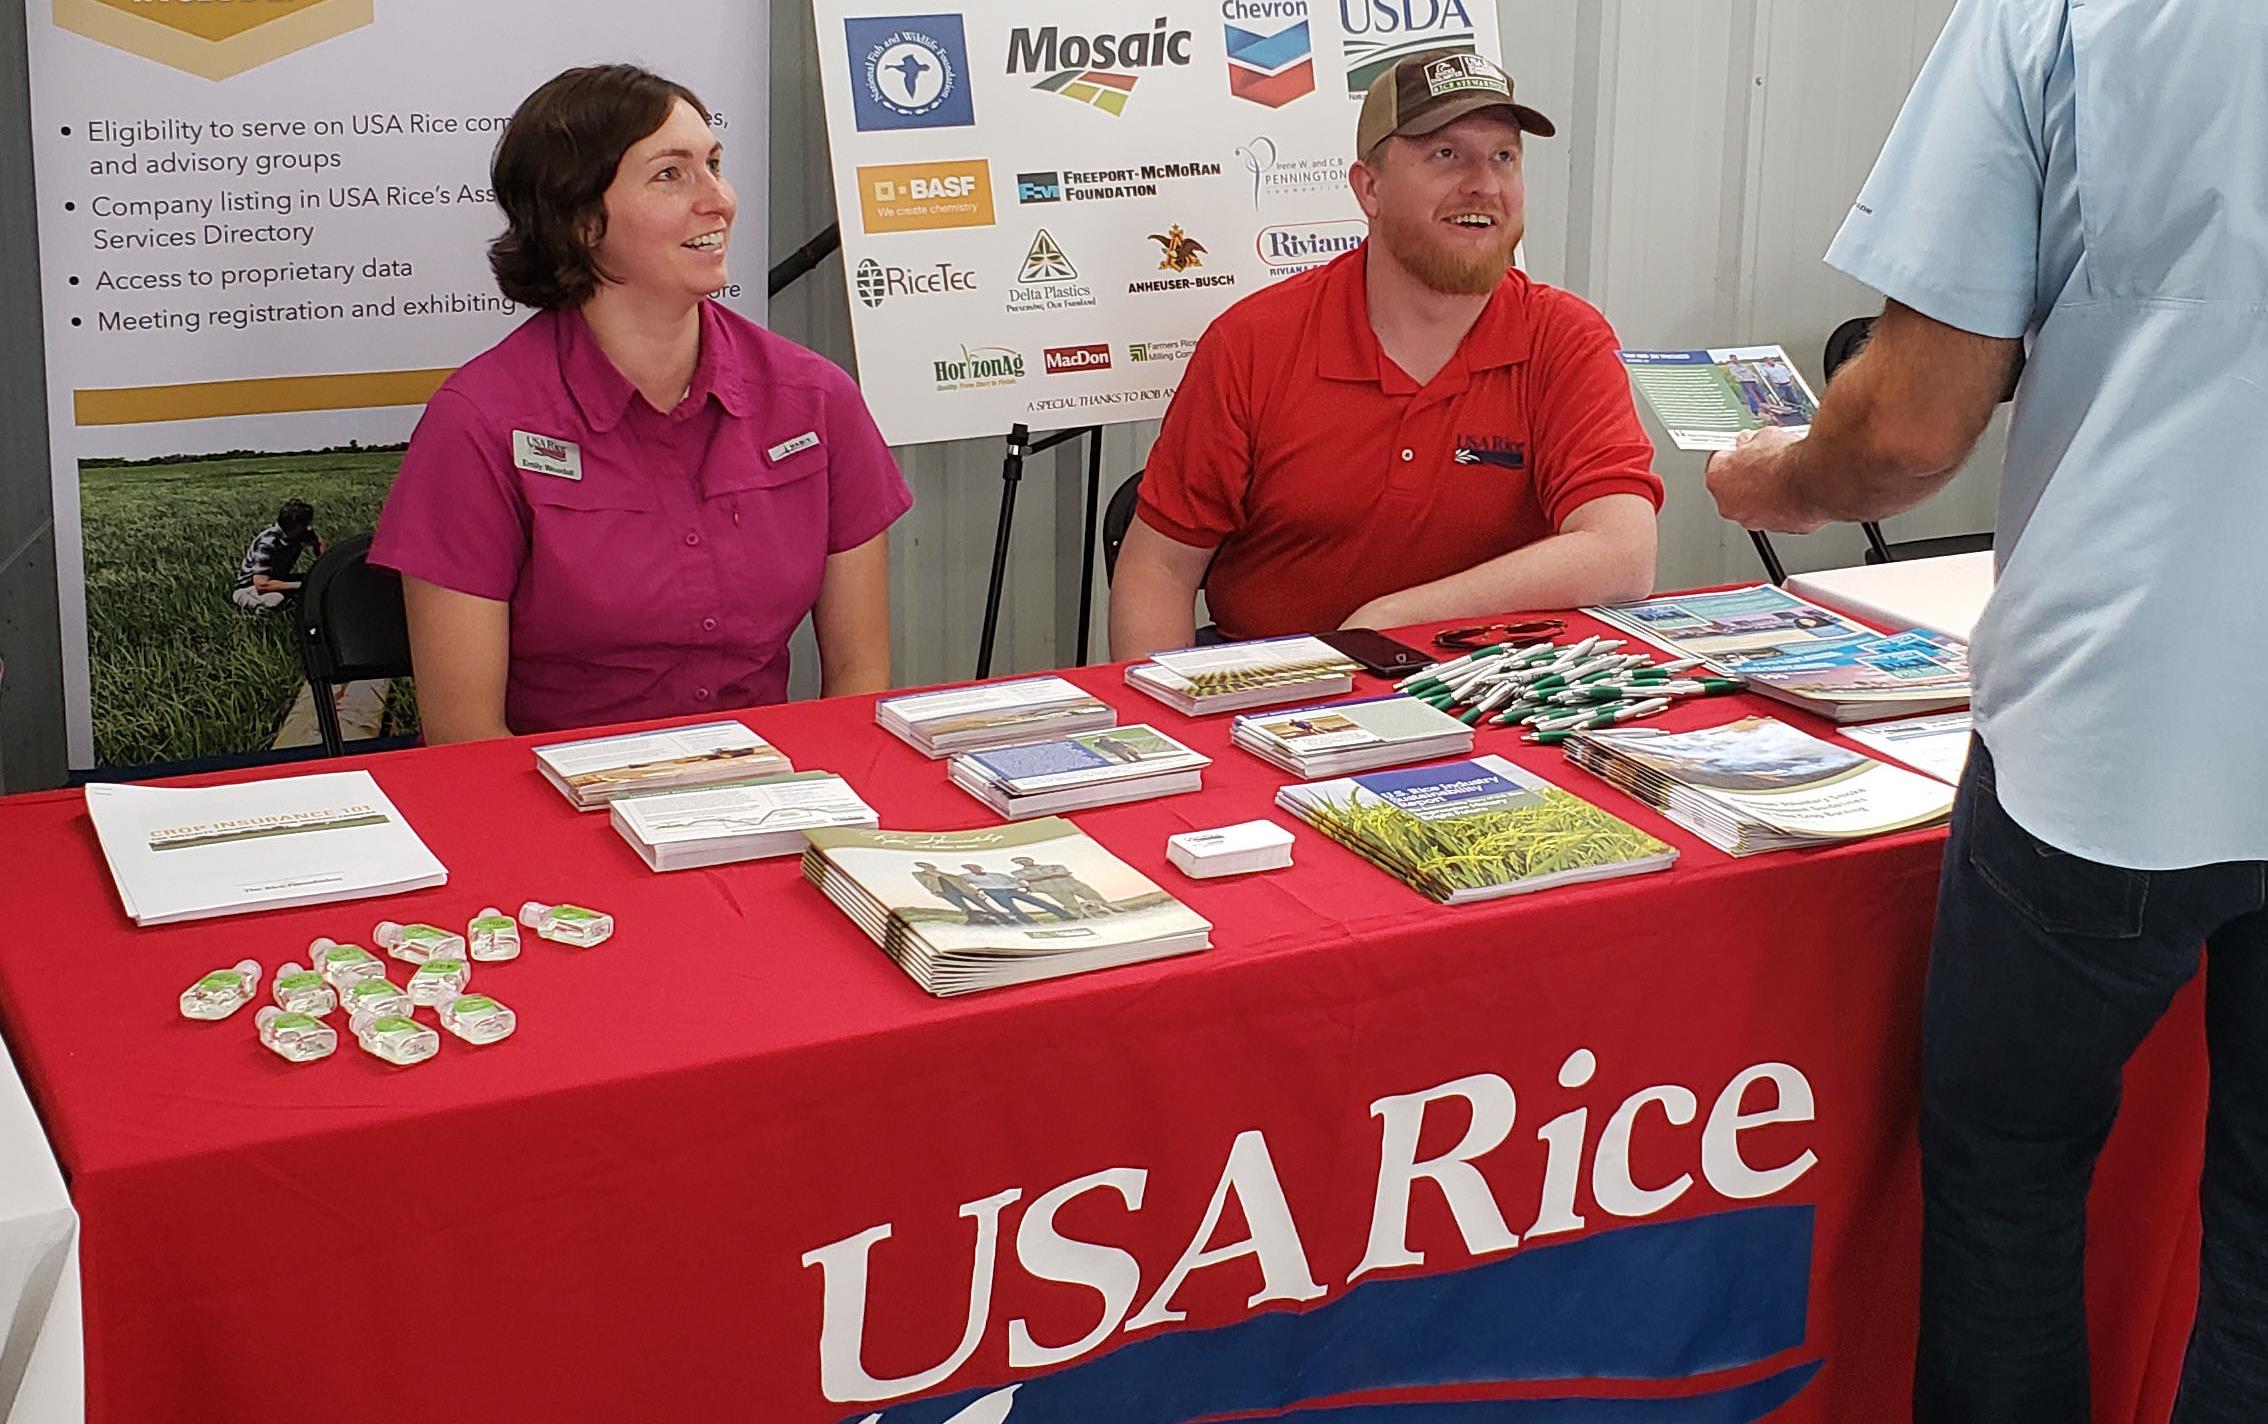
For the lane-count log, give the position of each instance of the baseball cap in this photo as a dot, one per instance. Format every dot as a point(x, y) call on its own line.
point(1427, 91)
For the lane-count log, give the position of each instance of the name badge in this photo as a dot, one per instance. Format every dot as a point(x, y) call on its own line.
point(546, 455)
point(786, 448)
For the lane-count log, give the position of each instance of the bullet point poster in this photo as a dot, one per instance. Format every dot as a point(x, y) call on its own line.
point(263, 243)
point(1043, 206)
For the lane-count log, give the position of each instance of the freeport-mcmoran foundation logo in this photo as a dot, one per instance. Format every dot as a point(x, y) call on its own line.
point(212, 41)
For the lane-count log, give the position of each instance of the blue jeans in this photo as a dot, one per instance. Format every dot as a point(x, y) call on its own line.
point(2046, 973)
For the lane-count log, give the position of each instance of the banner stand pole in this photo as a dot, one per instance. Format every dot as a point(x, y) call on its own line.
point(1021, 444)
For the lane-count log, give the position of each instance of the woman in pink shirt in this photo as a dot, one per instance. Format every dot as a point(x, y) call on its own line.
point(625, 508)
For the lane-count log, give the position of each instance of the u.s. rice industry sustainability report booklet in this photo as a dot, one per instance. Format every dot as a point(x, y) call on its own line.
point(182, 853)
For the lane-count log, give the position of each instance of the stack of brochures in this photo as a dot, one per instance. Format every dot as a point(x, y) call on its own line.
point(1085, 769)
point(1235, 676)
point(991, 714)
point(1759, 784)
point(1240, 849)
point(716, 825)
point(1345, 737)
point(593, 773)
point(190, 854)
point(1475, 830)
point(1861, 679)
point(967, 910)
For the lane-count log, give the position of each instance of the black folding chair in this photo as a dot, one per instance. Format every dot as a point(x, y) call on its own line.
point(1118, 517)
point(351, 628)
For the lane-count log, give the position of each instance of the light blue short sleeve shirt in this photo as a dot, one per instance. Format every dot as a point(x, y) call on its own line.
point(2092, 175)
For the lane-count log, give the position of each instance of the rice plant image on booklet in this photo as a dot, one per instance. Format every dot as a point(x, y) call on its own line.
point(1556, 834)
point(1216, 681)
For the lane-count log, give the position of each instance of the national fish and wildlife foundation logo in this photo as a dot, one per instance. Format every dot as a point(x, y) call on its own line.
point(1271, 53)
point(909, 72)
point(1098, 70)
point(1380, 32)
point(213, 41)
point(977, 367)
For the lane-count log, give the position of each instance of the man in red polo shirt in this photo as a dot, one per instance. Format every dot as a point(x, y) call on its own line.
point(1412, 432)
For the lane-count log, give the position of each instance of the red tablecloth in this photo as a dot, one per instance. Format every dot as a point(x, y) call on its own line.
point(736, 1129)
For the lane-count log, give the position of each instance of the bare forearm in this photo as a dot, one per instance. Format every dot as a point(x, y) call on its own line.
point(1603, 554)
point(1857, 464)
point(860, 670)
point(1143, 622)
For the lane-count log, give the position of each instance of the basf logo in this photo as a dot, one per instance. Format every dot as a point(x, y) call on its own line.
point(917, 197)
point(909, 72)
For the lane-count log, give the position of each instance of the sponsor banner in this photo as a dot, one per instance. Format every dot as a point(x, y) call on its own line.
point(1042, 211)
point(264, 236)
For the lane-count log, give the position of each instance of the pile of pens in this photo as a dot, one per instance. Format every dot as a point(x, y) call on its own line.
point(1557, 691)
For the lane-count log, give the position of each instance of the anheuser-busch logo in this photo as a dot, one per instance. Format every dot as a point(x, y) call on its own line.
point(1062, 360)
point(1691, 1144)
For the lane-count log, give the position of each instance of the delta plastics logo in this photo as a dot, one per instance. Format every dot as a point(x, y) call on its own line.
point(1180, 253)
point(1291, 248)
point(1047, 280)
point(979, 367)
point(213, 41)
point(1271, 55)
point(1097, 70)
point(922, 197)
point(909, 72)
point(1382, 31)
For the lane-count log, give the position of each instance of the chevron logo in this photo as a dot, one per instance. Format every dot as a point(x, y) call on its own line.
point(1272, 68)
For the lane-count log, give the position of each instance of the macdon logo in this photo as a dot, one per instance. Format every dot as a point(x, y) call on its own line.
point(1094, 69)
point(1729, 1286)
point(1070, 360)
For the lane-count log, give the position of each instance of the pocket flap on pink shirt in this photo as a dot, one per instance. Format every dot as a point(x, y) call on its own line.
point(755, 472)
point(587, 493)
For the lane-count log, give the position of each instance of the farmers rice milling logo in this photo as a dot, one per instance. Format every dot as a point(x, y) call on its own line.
point(212, 41)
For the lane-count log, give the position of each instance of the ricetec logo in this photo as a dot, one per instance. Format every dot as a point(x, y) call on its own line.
point(877, 283)
point(1096, 70)
point(978, 367)
point(919, 197)
point(1271, 58)
point(1070, 360)
point(213, 41)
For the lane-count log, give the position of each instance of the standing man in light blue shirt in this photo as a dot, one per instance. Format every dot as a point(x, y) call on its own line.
point(2090, 178)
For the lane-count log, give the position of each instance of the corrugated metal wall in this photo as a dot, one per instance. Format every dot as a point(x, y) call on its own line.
point(1708, 151)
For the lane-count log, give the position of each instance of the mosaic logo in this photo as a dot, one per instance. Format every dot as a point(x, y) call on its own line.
point(1096, 70)
point(1271, 56)
point(213, 41)
point(1380, 32)
point(908, 72)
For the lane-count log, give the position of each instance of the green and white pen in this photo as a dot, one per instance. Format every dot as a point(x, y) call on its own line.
point(1550, 734)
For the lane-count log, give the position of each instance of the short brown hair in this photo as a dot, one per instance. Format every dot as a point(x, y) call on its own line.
point(553, 166)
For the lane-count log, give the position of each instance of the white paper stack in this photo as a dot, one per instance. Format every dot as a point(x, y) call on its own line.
point(1341, 738)
point(965, 910)
point(1759, 784)
point(593, 773)
point(683, 830)
point(191, 854)
point(1230, 850)
point(1104, 768)
point(1237, 676)
point(991, 714)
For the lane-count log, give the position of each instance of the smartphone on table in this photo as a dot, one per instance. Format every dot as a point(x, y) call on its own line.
point(1377, 652)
